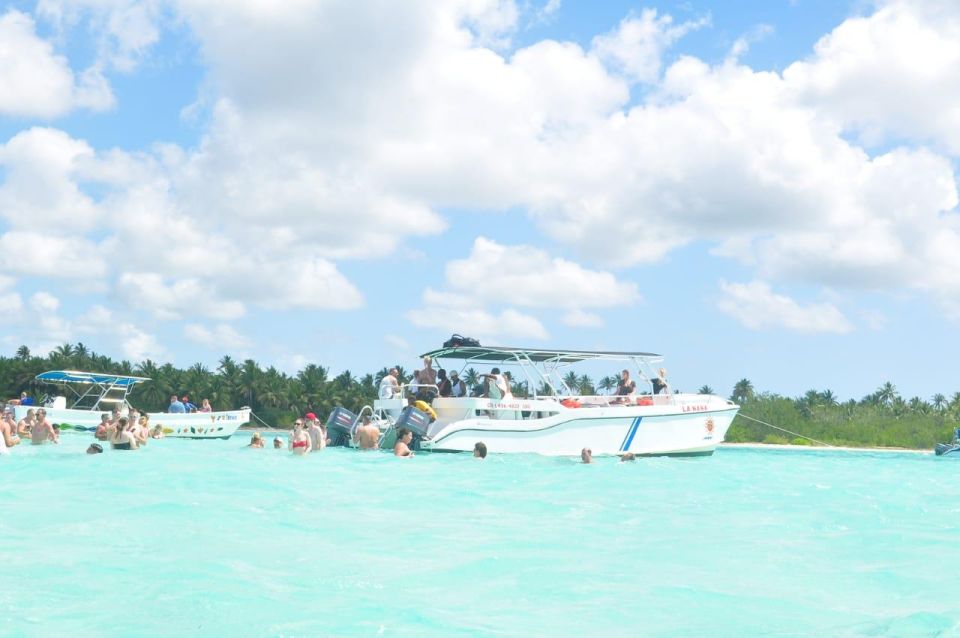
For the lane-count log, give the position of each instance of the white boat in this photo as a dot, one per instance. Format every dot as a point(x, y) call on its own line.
point(560, 422)
point(92, 394)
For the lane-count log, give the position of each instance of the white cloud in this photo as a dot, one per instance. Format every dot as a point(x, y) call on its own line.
point(486, 326)
point(45, 255)
point(756, 306)
point(582, 319)
point(138, 345)
point(36, 81)
point(40, 188)
point(176, 300)
point(524, 275)
point(890, 74)
point(397, 342)
point(636, 46)
point(222, 336)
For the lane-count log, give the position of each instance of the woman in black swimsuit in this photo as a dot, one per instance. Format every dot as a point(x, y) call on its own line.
point(122, 439)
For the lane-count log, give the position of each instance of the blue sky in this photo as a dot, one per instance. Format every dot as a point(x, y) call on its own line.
point(756, 190)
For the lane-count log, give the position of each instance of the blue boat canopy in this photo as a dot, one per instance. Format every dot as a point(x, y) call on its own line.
point(93, 378)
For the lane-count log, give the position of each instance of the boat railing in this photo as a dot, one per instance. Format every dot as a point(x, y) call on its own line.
point(614, 400)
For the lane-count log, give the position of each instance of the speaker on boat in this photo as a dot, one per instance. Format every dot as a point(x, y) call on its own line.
point(340, 426)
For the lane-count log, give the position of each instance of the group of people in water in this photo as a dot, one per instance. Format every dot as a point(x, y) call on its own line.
point(35, 426)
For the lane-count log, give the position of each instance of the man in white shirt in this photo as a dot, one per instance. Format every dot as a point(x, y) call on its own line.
point(389, 387)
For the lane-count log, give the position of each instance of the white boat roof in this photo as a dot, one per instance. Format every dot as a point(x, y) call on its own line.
point(94, 378)
point(535, 355)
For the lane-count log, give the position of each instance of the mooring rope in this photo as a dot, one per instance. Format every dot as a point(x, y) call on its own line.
point(265, 424)
point(770, 425)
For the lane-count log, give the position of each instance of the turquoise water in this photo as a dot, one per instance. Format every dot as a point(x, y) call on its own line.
point(209, 538)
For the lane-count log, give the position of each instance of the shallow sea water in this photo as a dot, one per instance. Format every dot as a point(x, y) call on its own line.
point(210, 538)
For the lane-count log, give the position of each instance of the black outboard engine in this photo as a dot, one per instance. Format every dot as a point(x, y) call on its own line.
point(340, 427)
point(416, 421)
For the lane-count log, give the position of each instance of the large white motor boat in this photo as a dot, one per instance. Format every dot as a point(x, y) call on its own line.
point(91, 394)
point(557, 421)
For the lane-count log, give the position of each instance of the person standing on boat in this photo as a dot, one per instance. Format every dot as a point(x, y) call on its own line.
point(402, 446)
point(389, 386)
point(660, 383)
point(175, 406)
point(626, 387)
point(457, 389)
point(427, 377)
point(494, 385)
point(43, 430)
point(443, 383)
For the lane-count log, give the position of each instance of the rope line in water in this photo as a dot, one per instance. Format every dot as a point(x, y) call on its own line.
point(265, 424)
point(770, 425)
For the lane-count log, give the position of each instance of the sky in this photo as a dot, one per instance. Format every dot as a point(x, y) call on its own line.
point(754, 190)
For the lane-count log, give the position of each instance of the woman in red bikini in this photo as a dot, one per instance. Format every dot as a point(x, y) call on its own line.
point(299, 440)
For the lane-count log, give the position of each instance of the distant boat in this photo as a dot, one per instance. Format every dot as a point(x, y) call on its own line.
point(942, 449)
point(92, 394)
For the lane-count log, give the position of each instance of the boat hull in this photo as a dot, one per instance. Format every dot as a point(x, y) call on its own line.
point(677, 425)
point(195, 425)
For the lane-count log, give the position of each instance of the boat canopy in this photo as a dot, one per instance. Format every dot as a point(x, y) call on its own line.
point(93, 378)
point(531, 355)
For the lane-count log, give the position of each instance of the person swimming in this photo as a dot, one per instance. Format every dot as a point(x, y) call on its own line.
point(402, 446)
point(95, 448)
point(256, 440)
point(277, 443)
point(586, 455)
point(480, 450)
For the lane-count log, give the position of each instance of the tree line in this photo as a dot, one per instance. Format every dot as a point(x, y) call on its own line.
point(882, 418)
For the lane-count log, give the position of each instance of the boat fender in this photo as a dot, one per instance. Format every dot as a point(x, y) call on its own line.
point(645, 401)
point(570, 403)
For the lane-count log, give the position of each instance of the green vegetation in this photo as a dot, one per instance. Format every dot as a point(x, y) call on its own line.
point(881, 419)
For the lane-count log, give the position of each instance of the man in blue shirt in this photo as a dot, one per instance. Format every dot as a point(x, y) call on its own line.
point(187, 405)
point(176, 406)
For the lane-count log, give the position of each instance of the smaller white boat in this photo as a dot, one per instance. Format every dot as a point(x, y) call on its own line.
point(952, 448)
point(91, 394)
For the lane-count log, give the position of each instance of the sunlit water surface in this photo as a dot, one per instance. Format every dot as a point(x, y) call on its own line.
point(210, 538)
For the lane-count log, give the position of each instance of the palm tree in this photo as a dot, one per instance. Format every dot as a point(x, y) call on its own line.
point(742, 391)
point(705, 389)
point(23, 353)
point(62, 354)
point(939, 402)
point(572, 381)
point(827, 397)
point(471, 377)
point(886, 394)
point(585, 385)
point(608, 383)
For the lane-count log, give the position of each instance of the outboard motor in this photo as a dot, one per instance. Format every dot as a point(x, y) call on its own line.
point(416, 421)
point(340, 427)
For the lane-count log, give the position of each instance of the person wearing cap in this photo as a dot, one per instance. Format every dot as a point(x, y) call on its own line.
point(318, 438)
point(277, 443)
point(457, 388)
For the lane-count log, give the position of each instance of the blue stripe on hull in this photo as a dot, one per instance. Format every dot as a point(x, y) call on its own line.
point(632, 432)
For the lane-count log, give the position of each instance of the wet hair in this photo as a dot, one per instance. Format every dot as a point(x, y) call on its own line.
point(402, 433)
point(495, 371)
point(95, 448)
point(629, 456)
point(480, 450)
